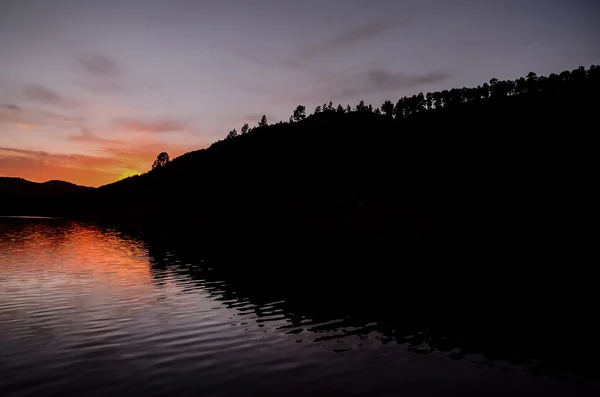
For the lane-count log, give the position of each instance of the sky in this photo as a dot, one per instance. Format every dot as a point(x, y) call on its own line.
point(91, 91)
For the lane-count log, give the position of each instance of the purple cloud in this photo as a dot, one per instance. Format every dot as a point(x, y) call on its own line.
point(99, 65)
point(37, 93)
point(374, 81)
point(350, 37)
point(159, 126)
point(85, 135)
point(16, 114)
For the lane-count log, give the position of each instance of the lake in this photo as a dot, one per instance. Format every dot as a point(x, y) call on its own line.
point(93, 310)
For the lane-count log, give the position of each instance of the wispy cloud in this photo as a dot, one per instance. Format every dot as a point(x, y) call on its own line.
point(156, 126)
point(95, 86)
point(266, 62)
point(349, 38)
point(15, 114)
point(99, 65)
point(57, 158)
point(102, 75)
point(37, 93)
point(85, 135)
point(346, 38)
point(317, 77)
point(373, 81)
point(5, 150)
point(10, 114)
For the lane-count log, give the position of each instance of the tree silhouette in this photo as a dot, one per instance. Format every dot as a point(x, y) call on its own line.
point(578, 77)
point(388, 108)
point(593, 75)
point(532, 81)
point(454, 97)
point(520, 86)
point(300, 113)
point(554, 86)
point(232, 134)
point(399, 109)
point(565, 76)
point(429, 101)
point(263, 121)
point(445, 95)
point(161, 160)
point(437, 100)
point(420, 102)
point(485, 91)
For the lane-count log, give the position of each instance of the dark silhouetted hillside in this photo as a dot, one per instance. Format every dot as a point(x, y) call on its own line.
point(507, 161)
point(22, 197)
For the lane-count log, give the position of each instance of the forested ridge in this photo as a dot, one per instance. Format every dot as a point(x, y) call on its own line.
point(504, 152)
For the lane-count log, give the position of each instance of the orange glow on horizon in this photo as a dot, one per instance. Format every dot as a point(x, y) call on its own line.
point(110, 165)
point(129, 173)
point(78, 176)
point(39, 144)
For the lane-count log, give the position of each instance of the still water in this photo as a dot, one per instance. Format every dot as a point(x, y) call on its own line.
point(89, 310)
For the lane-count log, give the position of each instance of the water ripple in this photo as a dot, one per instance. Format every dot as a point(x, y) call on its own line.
point(89, 310)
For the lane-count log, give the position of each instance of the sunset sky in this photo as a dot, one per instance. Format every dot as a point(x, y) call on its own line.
point(91, 91)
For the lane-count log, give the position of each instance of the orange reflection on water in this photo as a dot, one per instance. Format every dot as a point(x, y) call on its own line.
point(51, 253)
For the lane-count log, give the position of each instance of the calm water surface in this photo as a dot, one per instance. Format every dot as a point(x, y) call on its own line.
point(87, 310)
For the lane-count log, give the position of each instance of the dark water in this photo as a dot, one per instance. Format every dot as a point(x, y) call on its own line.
point(89, 310)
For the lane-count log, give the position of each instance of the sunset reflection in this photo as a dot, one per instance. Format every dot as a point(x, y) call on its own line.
point(67, 253)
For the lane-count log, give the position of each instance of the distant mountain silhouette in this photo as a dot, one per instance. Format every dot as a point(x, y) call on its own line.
point(22, 197)
point(20, 186)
